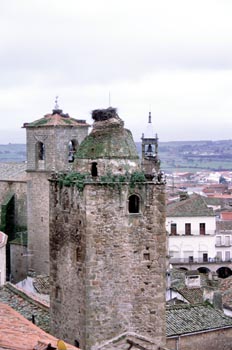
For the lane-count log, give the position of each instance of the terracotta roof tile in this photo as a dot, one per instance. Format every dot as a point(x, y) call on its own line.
point(17, 333)
point(56, 119)
point(226, 215)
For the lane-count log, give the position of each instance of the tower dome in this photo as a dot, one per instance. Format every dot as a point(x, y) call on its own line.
point(109, 145)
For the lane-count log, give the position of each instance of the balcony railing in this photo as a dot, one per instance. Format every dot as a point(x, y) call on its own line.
point(192, 234)
point(191, 260)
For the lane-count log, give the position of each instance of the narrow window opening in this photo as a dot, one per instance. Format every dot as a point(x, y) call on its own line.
point(188, 229)
point(58, 293)
point(146, 256)
point(202, 228)
point(41, 151)
point(94, 171)
point(71, 151)
point(78, 254)
point(133, 204)
point(205, 257)
point(173, 229)
point(227, 241)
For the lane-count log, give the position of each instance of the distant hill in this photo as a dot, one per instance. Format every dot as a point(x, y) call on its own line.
point(13, 153)
point(175, 155)
point(194, 155)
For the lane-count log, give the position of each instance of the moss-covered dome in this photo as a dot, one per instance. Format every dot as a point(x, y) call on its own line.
point(108, 139)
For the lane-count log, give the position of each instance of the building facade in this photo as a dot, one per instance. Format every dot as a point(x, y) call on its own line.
point(191, 225)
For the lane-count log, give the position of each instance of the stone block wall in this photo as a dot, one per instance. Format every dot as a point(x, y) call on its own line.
point(107, 265)
point(38, 222)
point(211, 340)
point(55, 140)
point(19, 262)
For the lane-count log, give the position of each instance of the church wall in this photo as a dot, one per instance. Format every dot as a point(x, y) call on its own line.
point(110, 277)
point(55, 140)
point(38, 222)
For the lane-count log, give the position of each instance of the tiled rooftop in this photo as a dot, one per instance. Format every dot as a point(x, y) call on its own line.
point(13, 171)
point(194, 318)
point(192, 295)
point(57, 118)
point(17, 333)
point(193, 206)
point(41, 284)
point(25, 307)
point(224, 225)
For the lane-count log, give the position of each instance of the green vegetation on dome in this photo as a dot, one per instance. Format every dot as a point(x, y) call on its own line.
point(109, 180)
point(41, 121)
point(108, 143)
point(67, 121)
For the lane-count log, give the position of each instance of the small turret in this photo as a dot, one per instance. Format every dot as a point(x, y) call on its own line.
point(150, 159)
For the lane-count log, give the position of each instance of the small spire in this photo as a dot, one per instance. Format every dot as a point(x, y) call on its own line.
point(149, 118)
point(56, 103)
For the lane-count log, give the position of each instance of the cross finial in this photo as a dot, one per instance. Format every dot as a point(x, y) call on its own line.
point(56, 103)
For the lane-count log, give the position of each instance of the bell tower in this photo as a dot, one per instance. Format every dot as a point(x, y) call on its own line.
point(150, 159)
point(51, 145)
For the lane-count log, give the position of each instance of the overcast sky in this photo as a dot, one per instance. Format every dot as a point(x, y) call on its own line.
point(171, 56)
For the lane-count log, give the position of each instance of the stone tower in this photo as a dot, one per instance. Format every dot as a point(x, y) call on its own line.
point(108, 245)
point(51, 144)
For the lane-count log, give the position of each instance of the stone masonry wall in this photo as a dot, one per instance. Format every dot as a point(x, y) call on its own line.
point(38, 222)
point(56, 140)
point(67, 263)
point(214, 340)
point(18, 259)
point(117, 283)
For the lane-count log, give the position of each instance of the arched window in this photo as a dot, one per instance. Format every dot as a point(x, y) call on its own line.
point(41, 151)
point(71, 150)
point(133, 205)
point(94, 169)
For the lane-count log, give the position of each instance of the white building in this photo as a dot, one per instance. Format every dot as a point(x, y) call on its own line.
point(224, 237)
point(191, 225)
point(3, 241)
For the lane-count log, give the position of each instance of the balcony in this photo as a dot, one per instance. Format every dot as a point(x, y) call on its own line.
point(191, 260)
